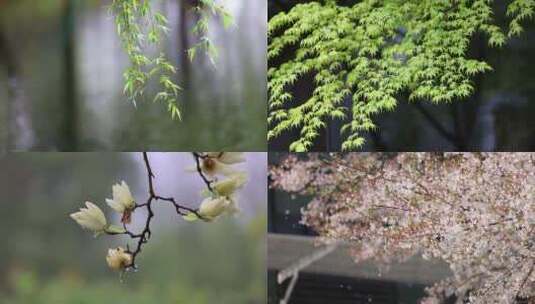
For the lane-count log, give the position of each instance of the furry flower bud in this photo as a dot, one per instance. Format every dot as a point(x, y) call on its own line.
point(213, 207)
point(118, 258)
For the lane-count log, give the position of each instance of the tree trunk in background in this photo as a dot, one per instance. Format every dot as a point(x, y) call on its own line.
point(184, 42)
point(69, 129)
point(20, 134)
point(465, 113)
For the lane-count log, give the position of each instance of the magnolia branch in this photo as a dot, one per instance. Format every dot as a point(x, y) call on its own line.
point(219, 201)
point(146, 233)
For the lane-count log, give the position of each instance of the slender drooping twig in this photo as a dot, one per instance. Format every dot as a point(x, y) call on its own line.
point(198, 157)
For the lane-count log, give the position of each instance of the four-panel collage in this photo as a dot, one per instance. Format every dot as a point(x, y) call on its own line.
point(267, 151)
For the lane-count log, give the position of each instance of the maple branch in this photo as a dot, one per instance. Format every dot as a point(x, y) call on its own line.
point(441, 130)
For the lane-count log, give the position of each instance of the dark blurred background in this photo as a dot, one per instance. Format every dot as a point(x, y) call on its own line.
point(498, 117)
point(45, 257)
point(61, 83)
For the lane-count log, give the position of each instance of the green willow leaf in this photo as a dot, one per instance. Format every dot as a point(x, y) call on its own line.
point(139, 29)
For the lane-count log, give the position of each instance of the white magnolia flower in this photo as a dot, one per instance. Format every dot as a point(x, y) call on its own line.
point(213, 207)
point(228, 158)
point(91, 218)
point(228, 186)
point(122, 198)
point(211, 167)
point(221, 163)
point(118, 259)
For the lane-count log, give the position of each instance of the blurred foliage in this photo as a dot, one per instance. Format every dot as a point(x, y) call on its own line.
point(3, 122)
point(27, 11)
point(215, 123)
point(222, 264)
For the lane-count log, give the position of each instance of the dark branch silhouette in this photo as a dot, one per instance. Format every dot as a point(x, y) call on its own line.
point(441, 130)
point(198, 158)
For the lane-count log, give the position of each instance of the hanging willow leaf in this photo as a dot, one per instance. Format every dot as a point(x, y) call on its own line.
point(139, 29)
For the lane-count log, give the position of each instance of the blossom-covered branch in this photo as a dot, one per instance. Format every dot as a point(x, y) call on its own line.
point(476, 211)
point(219, 199)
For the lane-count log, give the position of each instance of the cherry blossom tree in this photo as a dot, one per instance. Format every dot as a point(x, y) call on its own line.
point(475, 211)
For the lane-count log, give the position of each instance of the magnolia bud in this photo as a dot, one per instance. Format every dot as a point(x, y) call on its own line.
point(213, 207)
point(118, 259)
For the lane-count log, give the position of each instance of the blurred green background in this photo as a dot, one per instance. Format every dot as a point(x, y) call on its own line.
point(45, 257)
point(61, 68)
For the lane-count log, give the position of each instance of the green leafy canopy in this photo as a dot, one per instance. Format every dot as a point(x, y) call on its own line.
point(140, 28)
point(372, 51)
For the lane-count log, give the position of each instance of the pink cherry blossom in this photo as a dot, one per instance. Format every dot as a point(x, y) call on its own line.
point(475, 211)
